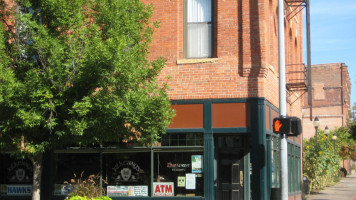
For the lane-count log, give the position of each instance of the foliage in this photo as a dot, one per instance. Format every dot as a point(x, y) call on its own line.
point(89, 187)
point(352, 122)
point(78, 75)
point(86, 198)
point(321, 158)
point(348, 151)
point(320, 163)
point(346, 145)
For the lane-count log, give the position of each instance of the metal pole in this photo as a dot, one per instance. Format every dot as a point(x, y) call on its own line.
point(282, 100)
point(327, 142)
point(316, 135)
point(101, 169)
point(309, 86)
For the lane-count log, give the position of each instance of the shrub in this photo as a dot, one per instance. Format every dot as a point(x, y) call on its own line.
point(102, 198)
point(88, 188)
point(86, 198)
point(320, 163)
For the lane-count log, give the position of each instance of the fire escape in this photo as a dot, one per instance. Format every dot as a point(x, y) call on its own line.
point(298, 74)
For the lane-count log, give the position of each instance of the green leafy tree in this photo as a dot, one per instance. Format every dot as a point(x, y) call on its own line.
point(320, 163)
point(352, 123)
point(321, 157)
point(75, 72)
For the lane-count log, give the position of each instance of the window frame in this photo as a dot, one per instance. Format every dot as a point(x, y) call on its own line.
point(185, 31)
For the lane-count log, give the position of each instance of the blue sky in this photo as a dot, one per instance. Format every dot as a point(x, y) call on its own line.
point(333, 35)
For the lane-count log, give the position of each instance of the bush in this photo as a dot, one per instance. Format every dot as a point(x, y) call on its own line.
point(88, 188)
point(86, 198)
point(320, 163)
point(102, 198)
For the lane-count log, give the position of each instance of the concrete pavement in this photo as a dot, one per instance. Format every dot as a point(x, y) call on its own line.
point(344, 190)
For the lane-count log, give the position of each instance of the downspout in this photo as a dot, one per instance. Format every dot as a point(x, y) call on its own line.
point(309, 71)
point(342, 93)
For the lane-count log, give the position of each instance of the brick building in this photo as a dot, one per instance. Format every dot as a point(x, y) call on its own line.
point(222, 70)
point(227, 89)
point(330, 98)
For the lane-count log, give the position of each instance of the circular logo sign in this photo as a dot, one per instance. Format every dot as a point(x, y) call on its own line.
point(126, 171)
point(20, 172)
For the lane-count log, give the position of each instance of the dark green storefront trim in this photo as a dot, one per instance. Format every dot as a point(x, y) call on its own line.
point(257, 131)
point(256, 134)
point(208, 152)
point(258, 148)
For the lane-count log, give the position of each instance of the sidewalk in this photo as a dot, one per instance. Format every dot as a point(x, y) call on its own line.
point(344, 190)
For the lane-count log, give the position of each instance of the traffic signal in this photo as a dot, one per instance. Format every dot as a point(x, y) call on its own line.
point(287, 125)
point(281, 125)
point(296, 124)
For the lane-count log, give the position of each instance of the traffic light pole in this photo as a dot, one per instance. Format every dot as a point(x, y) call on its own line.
point(282, 100)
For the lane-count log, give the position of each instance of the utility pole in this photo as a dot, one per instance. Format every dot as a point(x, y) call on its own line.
point(282, 100)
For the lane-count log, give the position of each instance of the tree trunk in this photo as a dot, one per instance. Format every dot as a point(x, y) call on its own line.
point(37, 174)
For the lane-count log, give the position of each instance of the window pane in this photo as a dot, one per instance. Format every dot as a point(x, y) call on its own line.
point(199, 11)
point(180, 172)
point(82, 165)
point(15, 171)
point(128, 174)
point(199, 40)
point(182, 139)
point(276, 163)
point(78, 166)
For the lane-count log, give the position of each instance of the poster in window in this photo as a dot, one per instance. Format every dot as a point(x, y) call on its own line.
point(139, 191)
point(181, 181)
point(197, 165)
point(16, 190)
point(163, 189)
point(117, 191)
point(63, 189)
point(190, 181)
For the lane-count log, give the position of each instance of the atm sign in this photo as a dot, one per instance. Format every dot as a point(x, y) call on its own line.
point(163, 189)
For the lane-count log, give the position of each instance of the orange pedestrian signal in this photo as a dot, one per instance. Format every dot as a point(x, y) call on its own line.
point(277, 125)
point(287, 125)
point(281, 125)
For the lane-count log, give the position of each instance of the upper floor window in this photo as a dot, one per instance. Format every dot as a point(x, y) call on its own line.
point(198, 29)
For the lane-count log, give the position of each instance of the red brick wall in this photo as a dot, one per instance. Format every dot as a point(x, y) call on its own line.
point(246, 48)
point(331, 97)
point(246, 42)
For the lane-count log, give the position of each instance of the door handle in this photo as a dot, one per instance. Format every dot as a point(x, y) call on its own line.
point(241, 178)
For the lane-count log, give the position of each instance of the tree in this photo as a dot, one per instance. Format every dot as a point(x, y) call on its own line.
point(352, 123)
point(75, 72)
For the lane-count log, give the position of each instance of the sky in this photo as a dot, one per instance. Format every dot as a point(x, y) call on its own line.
point(333, 35)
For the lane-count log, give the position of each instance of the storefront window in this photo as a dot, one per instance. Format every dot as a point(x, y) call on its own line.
point(73, 165)
point(80, 164)
point(128, 174)
point(177, 168)
point(294, 161)
point(275, 162)
point(16, 176)
point(178, 174)
point(182, 139)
